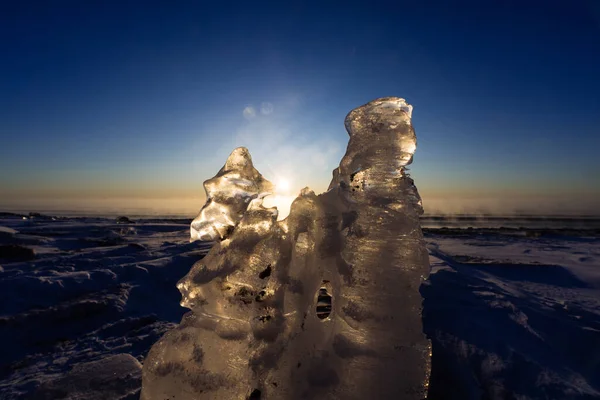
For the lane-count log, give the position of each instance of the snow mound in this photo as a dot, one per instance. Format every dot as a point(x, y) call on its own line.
point(114, 377)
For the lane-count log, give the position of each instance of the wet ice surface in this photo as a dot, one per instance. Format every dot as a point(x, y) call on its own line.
point(511, 314)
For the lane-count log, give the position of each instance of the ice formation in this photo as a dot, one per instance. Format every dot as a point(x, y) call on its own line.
point(322, 305)
point(228, 195)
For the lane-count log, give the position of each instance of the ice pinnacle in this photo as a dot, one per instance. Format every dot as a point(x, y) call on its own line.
point(227, 196)
point(322, 305)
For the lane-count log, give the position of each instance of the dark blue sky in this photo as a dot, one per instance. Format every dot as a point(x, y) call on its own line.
point(114, 100)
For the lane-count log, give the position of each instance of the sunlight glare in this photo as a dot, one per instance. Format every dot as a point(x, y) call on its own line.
point(282, 202)
point(283, 185)
point(282, 198)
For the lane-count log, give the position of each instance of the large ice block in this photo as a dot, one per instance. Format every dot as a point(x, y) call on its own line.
point(322, 305)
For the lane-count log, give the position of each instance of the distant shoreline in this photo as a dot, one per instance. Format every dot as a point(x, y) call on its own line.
point(428, 221)
point(426, 216)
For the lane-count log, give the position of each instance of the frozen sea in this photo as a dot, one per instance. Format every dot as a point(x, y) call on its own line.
point(512, 305)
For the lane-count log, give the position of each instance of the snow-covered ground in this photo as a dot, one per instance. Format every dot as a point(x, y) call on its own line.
point(513, 317)
point(512, 313)
point(94, 289)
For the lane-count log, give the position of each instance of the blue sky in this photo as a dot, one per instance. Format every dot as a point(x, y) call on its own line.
point(137, 103)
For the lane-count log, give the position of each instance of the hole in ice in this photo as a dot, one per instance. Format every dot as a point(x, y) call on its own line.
point(323, 301)
point(264, 318)
point(261, 296)
point(266, 273)
point(245, 295)
point(255, 395)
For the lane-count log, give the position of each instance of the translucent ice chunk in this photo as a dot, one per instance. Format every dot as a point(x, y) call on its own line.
point(382, 143)
point(228, 195)
point(322, 305)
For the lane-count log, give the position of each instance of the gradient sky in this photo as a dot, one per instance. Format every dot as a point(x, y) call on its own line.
point(128, 105)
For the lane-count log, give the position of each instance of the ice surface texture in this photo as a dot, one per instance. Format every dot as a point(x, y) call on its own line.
point(322, 305)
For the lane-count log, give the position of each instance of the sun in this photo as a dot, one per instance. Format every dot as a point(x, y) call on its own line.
point(283, 185)
point(282, 198)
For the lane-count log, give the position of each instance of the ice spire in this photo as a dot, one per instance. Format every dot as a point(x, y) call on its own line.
point(227, 196)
